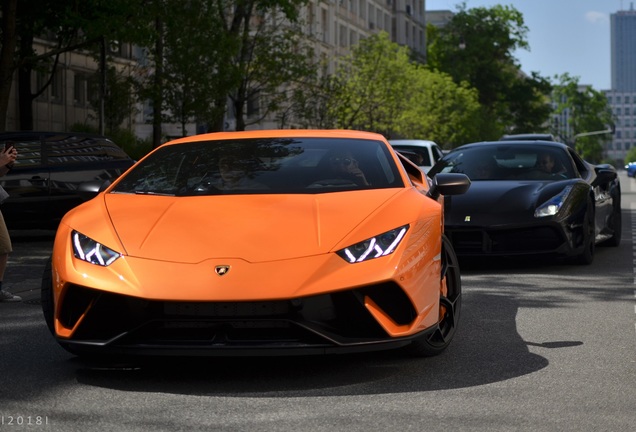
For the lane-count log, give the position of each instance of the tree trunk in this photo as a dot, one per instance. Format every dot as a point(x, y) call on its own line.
point(7, 67)
point(158, 86)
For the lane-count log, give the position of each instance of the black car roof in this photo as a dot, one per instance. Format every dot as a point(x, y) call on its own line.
point(517, 142)
point(11, 134)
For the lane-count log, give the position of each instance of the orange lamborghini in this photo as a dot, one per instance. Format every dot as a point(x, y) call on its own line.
point(264, 242)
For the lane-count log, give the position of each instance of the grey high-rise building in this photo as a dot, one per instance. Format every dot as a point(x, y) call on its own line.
point(623, 43)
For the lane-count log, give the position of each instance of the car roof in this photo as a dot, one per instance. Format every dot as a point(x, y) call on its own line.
point(529, 136)
point(12, 134)
point(516, 142)
point(413, 142)
point(280, 133)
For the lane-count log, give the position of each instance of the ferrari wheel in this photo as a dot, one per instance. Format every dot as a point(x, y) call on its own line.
point(46, 293)
point(616, 223)
point(449, 306)
point(587, 255)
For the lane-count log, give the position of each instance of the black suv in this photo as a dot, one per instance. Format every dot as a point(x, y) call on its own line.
point(45, 182)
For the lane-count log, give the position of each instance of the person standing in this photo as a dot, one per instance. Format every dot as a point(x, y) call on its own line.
point(7, 159)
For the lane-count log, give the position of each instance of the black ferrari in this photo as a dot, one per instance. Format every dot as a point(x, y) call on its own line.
point(531, 198)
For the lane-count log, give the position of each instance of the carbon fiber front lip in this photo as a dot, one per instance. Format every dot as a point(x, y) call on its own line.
point(329, 345)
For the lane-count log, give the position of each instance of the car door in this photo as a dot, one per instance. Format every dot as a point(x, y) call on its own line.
point(27, 183)
point(74, 159)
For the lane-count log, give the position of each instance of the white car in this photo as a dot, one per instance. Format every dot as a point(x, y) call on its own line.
point(422, 152)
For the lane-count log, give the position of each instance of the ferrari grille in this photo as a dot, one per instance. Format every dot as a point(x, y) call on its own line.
point(528, 240)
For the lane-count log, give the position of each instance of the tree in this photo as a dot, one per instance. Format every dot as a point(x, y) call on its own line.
point(589, 112)
point(195, 53)
point(374, 83)
point(117, 101)
point(271, 52)
point(477, 47)
point(439, 110)
point(379, 88)
point(631, 155)
point(70, 24)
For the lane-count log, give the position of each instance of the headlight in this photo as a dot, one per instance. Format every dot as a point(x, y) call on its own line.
point(553, 205)
point(375, 247)
point(89, 250)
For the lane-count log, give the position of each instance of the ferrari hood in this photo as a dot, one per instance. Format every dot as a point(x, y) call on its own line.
point(488, 202)
point(255, 228)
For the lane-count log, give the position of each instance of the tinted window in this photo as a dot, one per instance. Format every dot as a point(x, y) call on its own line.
point(507, 162)
point(29, 151)
point(272, 165)
point(66, 150)
point(422, 152)
point(63, 150)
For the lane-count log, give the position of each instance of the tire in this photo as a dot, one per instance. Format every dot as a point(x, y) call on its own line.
point(449, 307)
point(586, 257)
point(617, 226)
point(46, 293)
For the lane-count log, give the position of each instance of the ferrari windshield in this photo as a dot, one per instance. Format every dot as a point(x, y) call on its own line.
point(508, 162)
point(263, 166)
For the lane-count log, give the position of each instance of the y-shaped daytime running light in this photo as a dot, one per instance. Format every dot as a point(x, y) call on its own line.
point(375, 247)
point(87, 249)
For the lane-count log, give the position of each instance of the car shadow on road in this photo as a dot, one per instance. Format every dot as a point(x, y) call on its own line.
point(487, 349)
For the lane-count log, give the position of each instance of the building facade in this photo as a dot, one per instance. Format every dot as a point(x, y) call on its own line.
point(334, 25)
point(622, 96)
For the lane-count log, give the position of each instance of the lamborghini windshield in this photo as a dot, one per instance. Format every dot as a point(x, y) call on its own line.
point(263, 166)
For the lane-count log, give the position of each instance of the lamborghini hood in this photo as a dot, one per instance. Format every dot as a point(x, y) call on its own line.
point(255, 228)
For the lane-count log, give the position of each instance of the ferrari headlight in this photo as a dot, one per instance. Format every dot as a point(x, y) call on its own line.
point(87, 249)
point(553, 205)
point(375, 247)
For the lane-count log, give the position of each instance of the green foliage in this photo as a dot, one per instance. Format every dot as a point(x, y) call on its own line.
point(589, 112)
point(439, 110)
point(119, 102)
point(374, 81)
point(379, 88)
point(631, 155)
point(477, 47)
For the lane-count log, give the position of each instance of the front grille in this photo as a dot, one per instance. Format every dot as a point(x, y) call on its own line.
point(499, 242)
point(324, 319)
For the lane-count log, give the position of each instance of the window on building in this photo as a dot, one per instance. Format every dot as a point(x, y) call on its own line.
point(79, 88)
point(324, 26)
point(253, 105)
point(57, 88)
point(40, 80)
point(343, 36)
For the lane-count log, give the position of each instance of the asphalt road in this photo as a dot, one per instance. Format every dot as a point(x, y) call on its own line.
point(542, 346)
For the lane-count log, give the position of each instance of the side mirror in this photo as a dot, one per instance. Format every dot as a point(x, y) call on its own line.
point(88, 190)
point(604, 175)
point(448, 184)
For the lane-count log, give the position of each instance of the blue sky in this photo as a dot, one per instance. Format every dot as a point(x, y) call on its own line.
point(570, 36)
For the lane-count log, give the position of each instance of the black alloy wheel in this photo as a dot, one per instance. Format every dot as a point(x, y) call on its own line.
point(449, 306)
